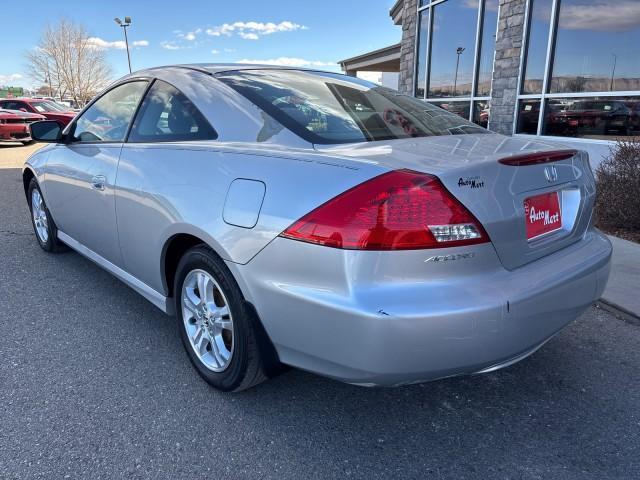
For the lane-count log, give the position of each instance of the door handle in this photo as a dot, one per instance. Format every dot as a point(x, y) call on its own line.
point(98, 181)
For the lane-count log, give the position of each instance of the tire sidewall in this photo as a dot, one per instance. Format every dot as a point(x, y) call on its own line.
point(200, 258)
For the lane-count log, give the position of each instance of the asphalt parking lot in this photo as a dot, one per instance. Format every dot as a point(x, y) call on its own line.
point(94, 383)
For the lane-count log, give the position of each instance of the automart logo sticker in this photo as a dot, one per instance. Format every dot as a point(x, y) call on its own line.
point(544, 215)
point(471, 182)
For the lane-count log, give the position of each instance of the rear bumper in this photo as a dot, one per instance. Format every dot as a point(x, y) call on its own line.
point(374, 318)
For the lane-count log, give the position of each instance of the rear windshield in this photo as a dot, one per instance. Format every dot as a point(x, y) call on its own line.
point(46, 107)
point(327, 108)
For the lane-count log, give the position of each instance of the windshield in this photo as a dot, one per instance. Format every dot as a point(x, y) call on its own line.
point(46, 107)
point(327, 108)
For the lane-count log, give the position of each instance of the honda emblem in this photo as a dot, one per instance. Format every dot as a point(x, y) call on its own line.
point(551, 173)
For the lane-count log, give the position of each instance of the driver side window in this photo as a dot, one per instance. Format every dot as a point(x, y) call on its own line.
point(108, 119)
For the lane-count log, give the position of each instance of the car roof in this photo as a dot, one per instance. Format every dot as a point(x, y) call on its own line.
point(214, 68)
point(25, 99)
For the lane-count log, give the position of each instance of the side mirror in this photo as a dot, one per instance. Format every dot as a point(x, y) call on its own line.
point(23, 109)
point(46, 131)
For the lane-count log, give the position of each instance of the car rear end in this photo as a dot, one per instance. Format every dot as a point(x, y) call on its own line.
point(413, 276)
point(462, 252)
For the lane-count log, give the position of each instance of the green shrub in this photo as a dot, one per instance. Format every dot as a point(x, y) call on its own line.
point(618, 178)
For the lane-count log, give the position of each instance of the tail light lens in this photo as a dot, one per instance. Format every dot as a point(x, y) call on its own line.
point(399, 210)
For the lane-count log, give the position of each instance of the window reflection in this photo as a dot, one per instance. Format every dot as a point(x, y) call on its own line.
point(421, 60)
point(453, 48)
point(597, 47)
point(593, 117)
point(461, 109)
point(537, 43)
point(481, 113)
point(487, 47)
point(528, 117)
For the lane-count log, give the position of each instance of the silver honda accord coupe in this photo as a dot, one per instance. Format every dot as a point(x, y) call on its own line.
point(311, 219)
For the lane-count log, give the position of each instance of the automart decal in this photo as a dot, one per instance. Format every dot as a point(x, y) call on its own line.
point(472, 182)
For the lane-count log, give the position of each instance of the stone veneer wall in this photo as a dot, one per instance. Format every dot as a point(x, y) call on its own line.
point(408, 47)
point(506, 65)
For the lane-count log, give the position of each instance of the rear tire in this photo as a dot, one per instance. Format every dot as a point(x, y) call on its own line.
point(43, 225)
point(216, 325)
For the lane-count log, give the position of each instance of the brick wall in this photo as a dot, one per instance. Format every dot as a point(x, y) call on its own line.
point(504, 87)
point(407, 49)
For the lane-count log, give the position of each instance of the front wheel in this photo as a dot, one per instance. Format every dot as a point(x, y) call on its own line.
point(215, 324)
point(43, 225)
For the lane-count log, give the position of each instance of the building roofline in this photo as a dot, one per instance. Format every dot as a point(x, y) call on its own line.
point(375, 54)
point(396, 12)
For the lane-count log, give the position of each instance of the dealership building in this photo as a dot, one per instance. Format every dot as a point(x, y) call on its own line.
point(564, 70)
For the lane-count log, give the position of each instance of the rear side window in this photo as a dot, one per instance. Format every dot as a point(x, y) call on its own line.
point(167, 115)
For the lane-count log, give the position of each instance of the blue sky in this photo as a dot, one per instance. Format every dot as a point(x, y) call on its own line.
point(317, 33)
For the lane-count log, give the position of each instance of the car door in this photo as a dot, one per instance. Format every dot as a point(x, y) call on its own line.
point(150, 179)
point(81, 173)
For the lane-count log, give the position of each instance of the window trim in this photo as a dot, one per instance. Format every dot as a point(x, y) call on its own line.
point(546, 80)
point(473, 98)
point(68, 133)
point(144, 97)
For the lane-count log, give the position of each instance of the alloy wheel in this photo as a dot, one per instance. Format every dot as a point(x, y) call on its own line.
point(207, 320)
point(39, 216)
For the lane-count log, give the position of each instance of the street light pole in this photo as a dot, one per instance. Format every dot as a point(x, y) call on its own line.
point(459, 51)
point(613, 71)
point(124, 25)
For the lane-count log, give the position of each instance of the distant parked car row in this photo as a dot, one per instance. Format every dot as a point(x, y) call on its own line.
point(17, 113)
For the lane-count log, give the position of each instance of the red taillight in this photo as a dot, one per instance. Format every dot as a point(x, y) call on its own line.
point(399, 210)
point(536, 158)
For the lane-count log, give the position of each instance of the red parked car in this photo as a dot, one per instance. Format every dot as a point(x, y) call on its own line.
point(14, 125)
point(51, 110)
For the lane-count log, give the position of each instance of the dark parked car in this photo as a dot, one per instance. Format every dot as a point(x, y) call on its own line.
point(50, 110)
point(593, 116)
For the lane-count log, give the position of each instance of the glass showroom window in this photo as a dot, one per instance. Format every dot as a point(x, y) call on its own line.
point(581, 74)
point(454, 58)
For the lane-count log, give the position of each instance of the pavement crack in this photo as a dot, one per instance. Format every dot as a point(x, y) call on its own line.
point(11, 233)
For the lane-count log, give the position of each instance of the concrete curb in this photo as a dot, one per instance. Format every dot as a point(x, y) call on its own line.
point(618, 311)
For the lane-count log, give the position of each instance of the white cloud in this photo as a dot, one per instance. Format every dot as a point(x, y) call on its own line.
point(249, 36)
point(289, 62)
point(230, 50)
point(10, 78)
point(189, 36)
point(170, 45)
point(253, 30)
point(97, 42)
point(491, 5)
point(215, 52)
point(601, 16)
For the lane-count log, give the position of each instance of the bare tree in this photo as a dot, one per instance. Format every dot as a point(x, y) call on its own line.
point(68, 62)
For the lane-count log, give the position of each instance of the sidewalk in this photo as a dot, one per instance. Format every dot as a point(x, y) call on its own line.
point(623, 289)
